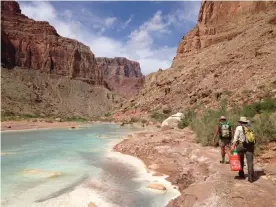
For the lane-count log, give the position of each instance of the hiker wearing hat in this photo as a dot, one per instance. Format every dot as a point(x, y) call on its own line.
point(224, 130)
point(244, 141)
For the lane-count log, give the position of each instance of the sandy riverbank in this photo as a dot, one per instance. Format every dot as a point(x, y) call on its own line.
point(43, 124)
point(196, 170)
point(29, 124)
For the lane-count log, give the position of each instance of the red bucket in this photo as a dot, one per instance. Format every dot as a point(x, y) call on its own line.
point(235, 163)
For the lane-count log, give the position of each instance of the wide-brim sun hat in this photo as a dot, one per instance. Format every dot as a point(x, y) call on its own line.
point(222, 118)
point(243, 119)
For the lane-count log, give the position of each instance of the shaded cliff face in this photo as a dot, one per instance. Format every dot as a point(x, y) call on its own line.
point(37, 45)
point(230, 54)
point(122, 75)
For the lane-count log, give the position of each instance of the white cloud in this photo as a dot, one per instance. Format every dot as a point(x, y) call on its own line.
point(44, 11)
point(48, 13)
point(110, 21)
point(186, 13)
point(189, 11)
point(145, 34)
point(100, 23)
point(68, 14)
point(127, 21)
point(140, 43)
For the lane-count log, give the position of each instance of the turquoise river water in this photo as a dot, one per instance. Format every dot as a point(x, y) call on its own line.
point(72, 167)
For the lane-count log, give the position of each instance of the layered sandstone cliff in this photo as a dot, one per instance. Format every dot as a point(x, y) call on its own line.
point(37, 45)
point(122, 75)
point(52, 75)
point(230, 54)
point(218, 21)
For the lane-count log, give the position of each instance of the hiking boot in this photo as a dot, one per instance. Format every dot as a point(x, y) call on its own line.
point(241, 174)
point(221, 162)
point(250, 180)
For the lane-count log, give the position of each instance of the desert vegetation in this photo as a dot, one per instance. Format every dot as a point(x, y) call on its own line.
point(158, 116)
point(10, 116)
point(262, 115)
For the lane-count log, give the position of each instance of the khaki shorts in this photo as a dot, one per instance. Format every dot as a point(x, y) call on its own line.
point(225, 142)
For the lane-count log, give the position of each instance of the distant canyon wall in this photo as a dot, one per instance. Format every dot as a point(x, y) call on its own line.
point(37, 45)
point(122, 75)
point(48, 75)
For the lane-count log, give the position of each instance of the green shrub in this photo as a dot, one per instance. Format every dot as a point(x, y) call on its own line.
point(159, 117)
point(29, 116)
point(75, 118)
point(204, 125)
point(250, 110)
point(264, 126)
point(8, 116)
point(264, 123)
point(268, 105)
point(189, 115)
point(143, 121)
point(107, 114)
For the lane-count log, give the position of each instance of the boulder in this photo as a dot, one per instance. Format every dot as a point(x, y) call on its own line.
point(58, 119)
point(173, 120)
point(156, 186)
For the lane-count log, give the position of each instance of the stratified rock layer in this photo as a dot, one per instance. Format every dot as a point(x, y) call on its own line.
point(37, 45)
point(217, 22)
point(119, 66)
point(122, 75)
point(52, 75)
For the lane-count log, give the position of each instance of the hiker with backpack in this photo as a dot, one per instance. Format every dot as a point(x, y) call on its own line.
point(244, 141)
point(224, 130)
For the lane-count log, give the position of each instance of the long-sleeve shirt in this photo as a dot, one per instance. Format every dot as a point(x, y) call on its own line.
point(239, 135)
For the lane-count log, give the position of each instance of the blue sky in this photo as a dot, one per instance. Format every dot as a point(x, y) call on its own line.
point(147, 32)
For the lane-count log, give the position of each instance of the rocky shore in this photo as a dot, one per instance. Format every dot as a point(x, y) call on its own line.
point(196, 170)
